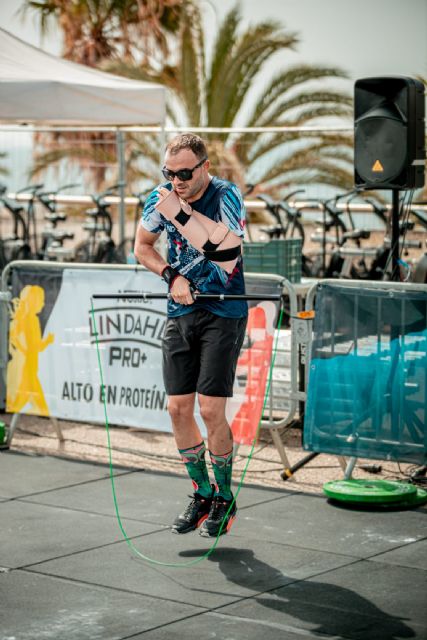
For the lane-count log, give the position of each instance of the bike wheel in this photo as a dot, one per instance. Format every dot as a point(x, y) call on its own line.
point(124, 251)
point(296, 231)
point(334, 268)
point(308, 269)
point(82, 253)
point(3, 259)
point(108, 253)
point(22, 253)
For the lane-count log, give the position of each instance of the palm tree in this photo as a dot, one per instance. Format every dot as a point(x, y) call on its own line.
point(3, 170)
point(221, 94)
point(164, 41)
point(95, 31)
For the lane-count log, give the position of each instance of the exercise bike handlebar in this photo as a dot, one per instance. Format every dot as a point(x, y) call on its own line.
point(47, 197)
point(288, 196)
point(98, 197)
point(31, 188)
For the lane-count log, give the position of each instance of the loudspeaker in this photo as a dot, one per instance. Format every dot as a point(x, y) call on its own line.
point(389, 139)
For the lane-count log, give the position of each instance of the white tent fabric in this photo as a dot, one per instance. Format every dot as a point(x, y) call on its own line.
point(36, 87)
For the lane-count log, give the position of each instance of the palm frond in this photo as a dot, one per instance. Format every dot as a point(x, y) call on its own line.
point(245, 59)
point(288, 80)
point(270, 143)
point(227, 34)
point(336, 103)
point(189, 76)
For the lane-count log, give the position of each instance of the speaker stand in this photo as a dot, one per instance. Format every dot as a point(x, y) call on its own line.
point(395, 233)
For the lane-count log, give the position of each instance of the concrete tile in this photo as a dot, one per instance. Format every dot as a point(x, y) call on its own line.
point(361, 601)
point(32, 533)
point(411, 555)
point(312, 522)
point(233, 570)
point(216, 626)
point(39, 607)
point(155, 498)
point(22, 474)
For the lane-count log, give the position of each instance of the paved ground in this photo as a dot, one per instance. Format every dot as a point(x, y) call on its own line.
point(293, 566)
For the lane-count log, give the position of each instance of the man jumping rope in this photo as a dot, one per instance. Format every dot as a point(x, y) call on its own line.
point(204, 218)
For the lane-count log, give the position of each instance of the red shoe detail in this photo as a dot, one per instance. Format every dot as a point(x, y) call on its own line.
point(229, 524)
point(202, 519)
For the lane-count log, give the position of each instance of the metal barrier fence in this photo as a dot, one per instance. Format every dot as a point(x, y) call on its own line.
point(95, 158)
point(91, 155)
point(64, 377)
point(4, 323)
point(367, 373)
point(292, 388)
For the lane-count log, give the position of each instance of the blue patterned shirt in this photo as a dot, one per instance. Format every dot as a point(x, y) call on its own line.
point(221, 201)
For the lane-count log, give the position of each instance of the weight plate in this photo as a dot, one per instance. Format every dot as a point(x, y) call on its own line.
point(372, 491)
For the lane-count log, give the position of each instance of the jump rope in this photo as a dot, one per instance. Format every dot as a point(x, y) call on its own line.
point(148, 296)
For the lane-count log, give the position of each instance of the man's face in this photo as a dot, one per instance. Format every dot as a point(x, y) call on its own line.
point(193, 189)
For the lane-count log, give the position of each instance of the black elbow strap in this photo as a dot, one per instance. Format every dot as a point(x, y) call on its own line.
point(223, 255)
point(209, 246)
point(182, 218)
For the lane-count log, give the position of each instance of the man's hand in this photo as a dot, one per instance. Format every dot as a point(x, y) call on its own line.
point(181, 292)
point(170, 204)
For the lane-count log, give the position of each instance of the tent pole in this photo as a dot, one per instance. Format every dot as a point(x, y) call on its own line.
point(162, 245)
point(162, 145)
point(120, 143)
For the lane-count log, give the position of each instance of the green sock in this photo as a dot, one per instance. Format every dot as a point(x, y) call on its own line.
point(194, 460)
point(222, 466)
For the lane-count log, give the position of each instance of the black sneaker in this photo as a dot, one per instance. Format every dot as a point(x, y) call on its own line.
point(194, 515)
point(212, 524)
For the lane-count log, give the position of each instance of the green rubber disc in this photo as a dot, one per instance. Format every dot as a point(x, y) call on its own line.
point(417, 499)
point(370, 491)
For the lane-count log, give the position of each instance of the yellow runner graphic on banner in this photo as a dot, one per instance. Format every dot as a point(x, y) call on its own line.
point(25, 345)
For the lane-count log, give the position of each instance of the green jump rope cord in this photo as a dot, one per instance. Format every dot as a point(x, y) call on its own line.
point(129, 542)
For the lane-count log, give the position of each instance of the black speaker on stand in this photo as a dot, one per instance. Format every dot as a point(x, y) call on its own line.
point(389, 140)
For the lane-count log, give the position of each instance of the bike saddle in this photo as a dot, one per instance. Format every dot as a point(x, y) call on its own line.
point(272, 230)
point(55, 217)
point(356, 234)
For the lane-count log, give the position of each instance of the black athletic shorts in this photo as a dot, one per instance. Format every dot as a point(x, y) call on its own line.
point(200, 352)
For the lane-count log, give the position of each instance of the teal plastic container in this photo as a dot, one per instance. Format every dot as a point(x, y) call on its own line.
point(2, 433)
point(282, 257)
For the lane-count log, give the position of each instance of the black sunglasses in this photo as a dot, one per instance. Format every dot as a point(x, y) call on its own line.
point(182, 174)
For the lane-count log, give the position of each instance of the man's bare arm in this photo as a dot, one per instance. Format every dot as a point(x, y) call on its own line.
point(145, 252)
point(150, 258)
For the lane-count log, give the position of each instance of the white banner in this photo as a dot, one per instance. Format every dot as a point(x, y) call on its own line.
point(57, 342)
point(62, 377)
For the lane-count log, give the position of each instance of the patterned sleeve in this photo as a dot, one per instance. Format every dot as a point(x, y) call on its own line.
point(151, 220)
point(232, 209)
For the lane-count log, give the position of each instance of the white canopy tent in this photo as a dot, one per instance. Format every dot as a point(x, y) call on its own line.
point(38, 88)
